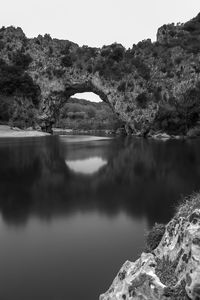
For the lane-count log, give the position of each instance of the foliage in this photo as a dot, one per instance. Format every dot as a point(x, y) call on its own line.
point(157, 94)
point(188, 205)
point(13, 81)
point(5, 108)
point(193, 26)
point(165, 270)
point(21, 60)
point(176, 292)
point(175, 117)
point(122, 86)
point(142, 100)
point(115, 62)
point(188, 37)
point(194, 132)
point(1, 45)
point(23, 115)
point(83, 114)
point(143, 70)
point(114, 52)
point(112, 61)
point(67, 61)
point(154, 236)
point(190, 106)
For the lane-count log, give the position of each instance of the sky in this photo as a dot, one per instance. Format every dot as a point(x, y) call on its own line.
point(96, 22)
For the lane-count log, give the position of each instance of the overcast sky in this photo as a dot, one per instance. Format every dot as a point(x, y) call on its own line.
point(96, 22)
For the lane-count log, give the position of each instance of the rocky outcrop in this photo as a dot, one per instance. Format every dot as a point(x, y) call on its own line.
point(171, 271)
point(151, 87)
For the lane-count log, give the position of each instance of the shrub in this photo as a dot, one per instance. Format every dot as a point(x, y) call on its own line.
point(154, 237)
point(193, 26)
point(157, 93)
point(58, 72)
point(105, 51)
point(190, 106)
point(91, 112)
point(5, 108)
point(122, 87)
point(142, 100)
point(117, 52)
point(21, 60)
point(83, 114)
point(178, 60)
point(142, 69)
point(188, 205)
point(23, 114)
point(66, 49)
point(1, 45)
point(13, 81)
point(67, 61)
point(193, 132)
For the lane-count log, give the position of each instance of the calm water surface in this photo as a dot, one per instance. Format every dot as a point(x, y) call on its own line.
point(73, 209)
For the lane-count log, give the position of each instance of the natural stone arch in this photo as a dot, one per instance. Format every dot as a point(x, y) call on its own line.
point(55, 99)
point(151, 87)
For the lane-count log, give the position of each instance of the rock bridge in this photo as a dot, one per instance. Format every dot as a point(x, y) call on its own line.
point(57, 93)
point(152, 86)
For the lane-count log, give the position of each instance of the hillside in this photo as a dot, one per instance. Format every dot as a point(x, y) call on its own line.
point(86, 115)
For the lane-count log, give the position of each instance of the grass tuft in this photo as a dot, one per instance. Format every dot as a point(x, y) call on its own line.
point(188, 205)
point(154, 237)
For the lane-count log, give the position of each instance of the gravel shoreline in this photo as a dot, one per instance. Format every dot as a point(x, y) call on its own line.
point(6, 131)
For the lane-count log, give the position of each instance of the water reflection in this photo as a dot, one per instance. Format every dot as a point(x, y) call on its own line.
point(140, 177)
point(60, 223)
point(86, 166)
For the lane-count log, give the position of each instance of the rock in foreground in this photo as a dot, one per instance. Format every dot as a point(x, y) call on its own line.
point(171, 271)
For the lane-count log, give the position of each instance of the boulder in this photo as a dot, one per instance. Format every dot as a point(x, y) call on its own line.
point(161, 136)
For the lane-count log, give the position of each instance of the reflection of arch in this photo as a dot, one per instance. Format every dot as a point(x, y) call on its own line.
point(142, 178)
point(88, 166)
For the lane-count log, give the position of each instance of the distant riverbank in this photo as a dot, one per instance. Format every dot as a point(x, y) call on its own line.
point(100, 132)
point(6, 131)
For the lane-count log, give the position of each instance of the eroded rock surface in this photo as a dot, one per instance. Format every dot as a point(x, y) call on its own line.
point(151, 87)
point(171, 271)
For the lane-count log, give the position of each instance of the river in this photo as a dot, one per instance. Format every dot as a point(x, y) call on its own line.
point(74, 208)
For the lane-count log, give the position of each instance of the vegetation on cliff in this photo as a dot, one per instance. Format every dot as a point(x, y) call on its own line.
point(171, 269)
point(19, 95)
point(151, 87)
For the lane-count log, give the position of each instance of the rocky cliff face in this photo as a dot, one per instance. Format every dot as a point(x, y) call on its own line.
point(153, 86)
point(171, 271)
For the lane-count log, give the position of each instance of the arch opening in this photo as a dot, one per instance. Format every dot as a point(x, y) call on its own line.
point(86, 87)
point(89, 96)
point(86, 110)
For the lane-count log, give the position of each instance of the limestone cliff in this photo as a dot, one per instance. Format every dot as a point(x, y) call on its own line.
point(153, 86)
point(171, 271)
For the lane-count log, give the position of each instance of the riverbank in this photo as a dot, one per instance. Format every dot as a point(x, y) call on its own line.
point(7, 132)
point(170, 268)
point(162, 136)
point(101, 132)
